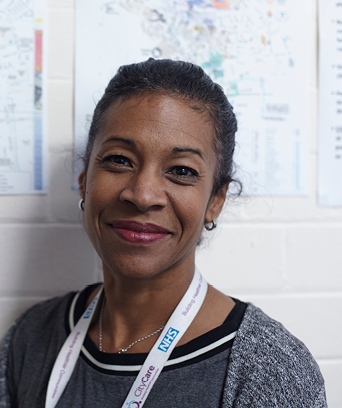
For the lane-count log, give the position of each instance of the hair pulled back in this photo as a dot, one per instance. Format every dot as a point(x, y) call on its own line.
point(182, 80)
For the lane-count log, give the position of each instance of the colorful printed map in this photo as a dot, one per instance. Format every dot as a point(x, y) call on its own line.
point(256, 49)
point(21, 137)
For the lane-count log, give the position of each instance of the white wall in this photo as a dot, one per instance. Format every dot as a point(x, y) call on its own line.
point(283, 254)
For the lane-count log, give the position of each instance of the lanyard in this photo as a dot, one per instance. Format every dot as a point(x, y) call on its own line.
point(173, 331)
point(68, 355)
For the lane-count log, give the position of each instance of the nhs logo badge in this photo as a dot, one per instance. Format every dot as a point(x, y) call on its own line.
point(168, 339)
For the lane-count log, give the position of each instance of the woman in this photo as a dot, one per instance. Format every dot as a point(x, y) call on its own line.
point(156, 171)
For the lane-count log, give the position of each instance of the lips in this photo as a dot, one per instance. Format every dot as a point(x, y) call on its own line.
point(136, 232)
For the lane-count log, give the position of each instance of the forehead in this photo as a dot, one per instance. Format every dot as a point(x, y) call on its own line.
point(158, 118)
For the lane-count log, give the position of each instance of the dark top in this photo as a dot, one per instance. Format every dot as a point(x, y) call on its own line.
point(267, 367)
point(193, 377)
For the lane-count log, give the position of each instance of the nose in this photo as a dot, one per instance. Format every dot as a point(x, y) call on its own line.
point(145, 190)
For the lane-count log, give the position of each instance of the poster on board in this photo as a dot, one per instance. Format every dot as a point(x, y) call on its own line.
point(23, 138)
point(330, 104)
point(256, 50)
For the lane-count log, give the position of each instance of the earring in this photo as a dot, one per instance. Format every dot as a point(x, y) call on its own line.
point(81, 204)
point(209, 226)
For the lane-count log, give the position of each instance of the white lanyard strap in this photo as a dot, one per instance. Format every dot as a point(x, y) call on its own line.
point(173, 331)
point(67, 357)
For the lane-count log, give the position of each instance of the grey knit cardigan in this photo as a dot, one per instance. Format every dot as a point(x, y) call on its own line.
point(268, 368)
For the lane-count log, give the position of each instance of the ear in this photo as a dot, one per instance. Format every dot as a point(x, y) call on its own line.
point(216, 204)
point(82, 183)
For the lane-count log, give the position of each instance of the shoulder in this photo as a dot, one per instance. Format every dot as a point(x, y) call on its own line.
point(35, 335)
point(44, 315)
point(269, 367)
point(40, 316)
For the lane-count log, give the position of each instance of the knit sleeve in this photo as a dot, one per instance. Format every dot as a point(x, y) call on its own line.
point(5, 400)
point(269, 367)
point(321, 401)
point(7, 355)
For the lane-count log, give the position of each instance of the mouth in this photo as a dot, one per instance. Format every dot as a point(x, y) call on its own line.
point(136, 232)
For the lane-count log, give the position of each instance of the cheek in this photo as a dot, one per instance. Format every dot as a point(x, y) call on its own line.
point(190, 209)
point(98, 195)
point(101, 190)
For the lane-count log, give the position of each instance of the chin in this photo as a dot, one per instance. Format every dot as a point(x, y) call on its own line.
point(138, 268)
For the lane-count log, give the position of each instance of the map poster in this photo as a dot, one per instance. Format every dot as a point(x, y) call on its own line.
point(23, 159)
point(257, 50)
point(330, 104)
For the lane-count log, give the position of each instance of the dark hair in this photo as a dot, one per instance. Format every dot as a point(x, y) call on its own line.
point(179, 79)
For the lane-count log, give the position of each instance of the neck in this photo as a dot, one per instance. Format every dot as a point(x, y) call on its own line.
point(135, 308)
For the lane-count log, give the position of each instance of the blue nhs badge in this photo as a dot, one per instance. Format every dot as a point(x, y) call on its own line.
point(168, 339)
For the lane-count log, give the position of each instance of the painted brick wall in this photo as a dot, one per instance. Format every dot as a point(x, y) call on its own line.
point(282, 254)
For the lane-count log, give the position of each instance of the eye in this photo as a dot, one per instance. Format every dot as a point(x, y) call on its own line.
point(116, 159)
point(184, 172)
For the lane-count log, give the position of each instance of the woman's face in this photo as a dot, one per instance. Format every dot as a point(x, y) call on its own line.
point(148, 186)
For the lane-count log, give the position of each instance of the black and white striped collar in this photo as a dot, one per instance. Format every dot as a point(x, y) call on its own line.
point(203, 347)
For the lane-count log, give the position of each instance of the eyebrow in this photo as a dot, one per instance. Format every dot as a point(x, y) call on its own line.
point(177, 150)
point(129, 142)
